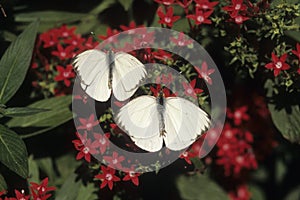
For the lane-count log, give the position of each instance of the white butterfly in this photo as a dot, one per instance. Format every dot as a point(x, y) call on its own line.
point(102, 73)
point(150, 121)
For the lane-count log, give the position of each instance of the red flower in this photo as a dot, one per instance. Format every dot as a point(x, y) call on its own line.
point(109, 33)
point(75, 40)
point(133, 176)
point(167, 80)
point(165, 2)
point(181, 40)
point(168, 18)
point(83, 98)
point(166, 91)
point(107, 177)
point(297, 52)
point(235, 7)
point(20, 196)
point(49, 38)
point(2, 193)
point(190, 90)
point(242, 193)
point(278, 64)
point(89, 43)
point(64, 53)
point(239, 19)
point(114, 160)
point(130, 28)
point(89, 123)
point(162, 55)
point(187, 155)
point(239, 115)
point(205, 4)
point(88, 149)
point(39, 191)
point(65, 74)
point(102, 141)
point(201, 17)
point(184, 3)
point(204, 72)
point(66, 32)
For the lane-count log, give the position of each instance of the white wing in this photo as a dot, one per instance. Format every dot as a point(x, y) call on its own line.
point(184, 122)
point(126, 75)
point(140, 118)
point(93, 68)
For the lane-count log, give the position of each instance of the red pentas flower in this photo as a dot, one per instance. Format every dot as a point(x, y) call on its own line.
point(184, 3)
point(130, 28)
point(109, 33)
point(133, 176)
point(278, 64)
point(65, 74)
point(201, 17)
point(162, 55)
point(190, 90)
point(115, 160)
point(20, 196)
point(163, 79)
point(88, 149)
point(167, 93)
point(204, 72)
point(205, 4)
point(66, 32)
point(107, 177)
point(182, 40)
point(41, 191)
point(238, 115)
point(168, 18)
point(297, 52)
point(241, 193)
point(187, 155)
point(102, 141)
point(64, 53)
point(49, 38)
point(239, 19)
point(165, 2)
point(89, 123)
point(235, 7)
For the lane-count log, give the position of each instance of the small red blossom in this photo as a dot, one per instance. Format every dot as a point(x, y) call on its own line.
point(162, 55)
point(278, 64)
point(182, 40)
point(238, 115)
point(166, 91)
point(131, 27)
point(201, 17)
point(235, 7)
point(88, 149)
point(165, 2)
point(64, 53)
point(66, 32)
point(20, 196)
point(41, 191)
point(297, 52)
point(239, 19)
point(83, 98)
point(163, 79)
point(115, 160)
point(190, 90)
point(242, 193)
point(102, 141)
point(133, 176)
point(109, 33)
point(89, 123)
point(168, 18)
point(187, 155)
point(205, 4)
point(184, 3)
point(107, 177)
point(75, 40)
point(204, 72)
point(65, 74)
point(49, 39)
point(144, 38)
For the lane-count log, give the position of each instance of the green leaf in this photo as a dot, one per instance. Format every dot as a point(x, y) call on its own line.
point(256, 193)
point(3, 185)
point(87, 192)
point(50, 16)
point(69, 190)
point(33, 170)
point(13, 153)
point(15, 62)
point(66, 165)
point(199, 187)
point(286, 120)
point(21, 111)
point(102, 6)
point(293, 34)
point(59, 113)
point(126, 4)
point(46, 165)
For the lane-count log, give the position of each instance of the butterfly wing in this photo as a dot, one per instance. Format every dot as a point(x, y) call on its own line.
point(126, 75)
point(184, 122)
point(140, 119)
point(93, 68)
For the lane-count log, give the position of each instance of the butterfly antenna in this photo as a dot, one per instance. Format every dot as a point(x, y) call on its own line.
point(3, 11)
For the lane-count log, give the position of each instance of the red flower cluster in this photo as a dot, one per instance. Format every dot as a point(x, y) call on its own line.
point(278, 64)
point(241, 193)
point(51, 64)
point(38, 192)
point(237, 11)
